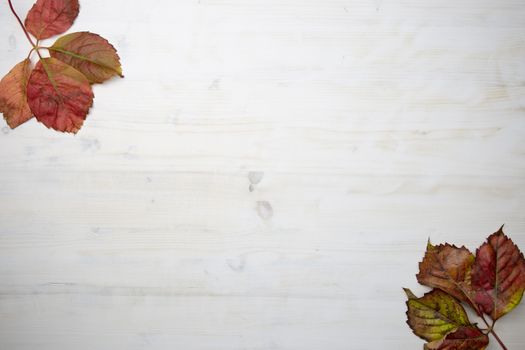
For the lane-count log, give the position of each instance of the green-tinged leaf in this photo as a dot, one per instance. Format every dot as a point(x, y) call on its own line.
point(89, 53)
point(435, 315)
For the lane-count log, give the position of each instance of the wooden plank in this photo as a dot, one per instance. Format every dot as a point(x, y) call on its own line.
point(265, 177)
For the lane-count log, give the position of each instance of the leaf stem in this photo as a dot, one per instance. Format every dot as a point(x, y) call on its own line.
point(493, 332)
point(30, 52)
point(498, 339)
point(21, 24)
point(37, 48)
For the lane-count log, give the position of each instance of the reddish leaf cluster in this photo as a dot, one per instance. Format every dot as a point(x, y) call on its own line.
point(57, 91)
point(492, 283)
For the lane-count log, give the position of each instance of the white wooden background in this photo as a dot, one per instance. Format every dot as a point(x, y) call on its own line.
point(265, 177)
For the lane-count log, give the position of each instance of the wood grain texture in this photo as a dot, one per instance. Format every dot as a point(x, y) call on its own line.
point(265, 177)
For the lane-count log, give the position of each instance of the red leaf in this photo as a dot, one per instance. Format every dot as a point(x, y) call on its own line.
point(498, 275)
point(465, 338)
point(51, 17)
point(59, 95)
point(90, 53)
point(13, 100)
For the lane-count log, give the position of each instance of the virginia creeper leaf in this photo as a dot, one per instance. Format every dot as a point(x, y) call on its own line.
point(59, 95)
point(90, 53)
point(51, 17)
point(447, 267)
point(498, 275)
point(465, 338)
point(435, 315)
point(13, 99)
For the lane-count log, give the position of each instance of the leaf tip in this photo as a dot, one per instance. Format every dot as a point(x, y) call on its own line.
point(409, 293)
point(429, 244)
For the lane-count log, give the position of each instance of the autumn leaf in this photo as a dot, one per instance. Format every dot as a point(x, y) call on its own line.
point(59, 95)
point(498, 275)
point(447, 267)
point(13, 99)
point(91, 54)
point(465, 338)
point(51, 17)
point(58, 91)
point(435, 315)
point(492, 282)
